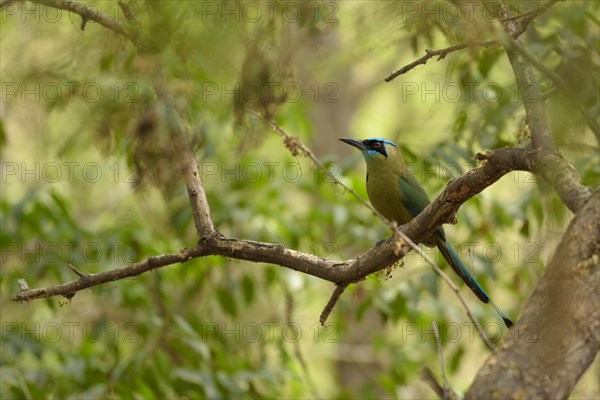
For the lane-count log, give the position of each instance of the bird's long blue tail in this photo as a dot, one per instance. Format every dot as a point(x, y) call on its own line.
point(464, 274)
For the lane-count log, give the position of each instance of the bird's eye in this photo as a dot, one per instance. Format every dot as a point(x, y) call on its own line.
point(376, 145)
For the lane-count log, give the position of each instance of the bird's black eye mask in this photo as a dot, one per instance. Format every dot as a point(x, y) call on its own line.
point(377, 146)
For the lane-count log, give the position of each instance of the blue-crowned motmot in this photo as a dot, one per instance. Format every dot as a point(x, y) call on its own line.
point(398, 196)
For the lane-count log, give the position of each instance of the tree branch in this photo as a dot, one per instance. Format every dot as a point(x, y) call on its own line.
point(564, 178)
point(496, 164)
point(187, 162)
point(87, 13)
point(86, 281)
point(441, 53)
point(335, 296)
point(557, 171)
point(521, 22)
point(534, 107)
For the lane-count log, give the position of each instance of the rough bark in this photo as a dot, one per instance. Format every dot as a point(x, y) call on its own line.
point(558, 336)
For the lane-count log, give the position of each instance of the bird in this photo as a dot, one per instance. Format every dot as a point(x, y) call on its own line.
point(395, 193)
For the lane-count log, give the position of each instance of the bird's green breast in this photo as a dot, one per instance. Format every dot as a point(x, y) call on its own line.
point(385, 194)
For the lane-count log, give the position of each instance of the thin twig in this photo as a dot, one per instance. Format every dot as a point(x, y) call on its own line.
point(129, 15)
point(289, 310)
point(339, 289)
point(429, 378)
point(524, 21)
point(89, 280)
point(438, 345)
point(87, 13)
point(442, 53)
point(75, 270)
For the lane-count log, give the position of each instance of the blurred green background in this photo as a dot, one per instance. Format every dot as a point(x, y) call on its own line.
point(88, 175)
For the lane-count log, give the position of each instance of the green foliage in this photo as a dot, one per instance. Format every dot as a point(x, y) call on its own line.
point(221, 328)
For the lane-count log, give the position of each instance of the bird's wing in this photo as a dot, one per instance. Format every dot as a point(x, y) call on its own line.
point(414, 197)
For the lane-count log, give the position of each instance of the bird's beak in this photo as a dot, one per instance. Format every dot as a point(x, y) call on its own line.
point(354, 142)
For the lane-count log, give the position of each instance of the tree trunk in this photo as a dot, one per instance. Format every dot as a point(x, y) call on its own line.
point(558, 336)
